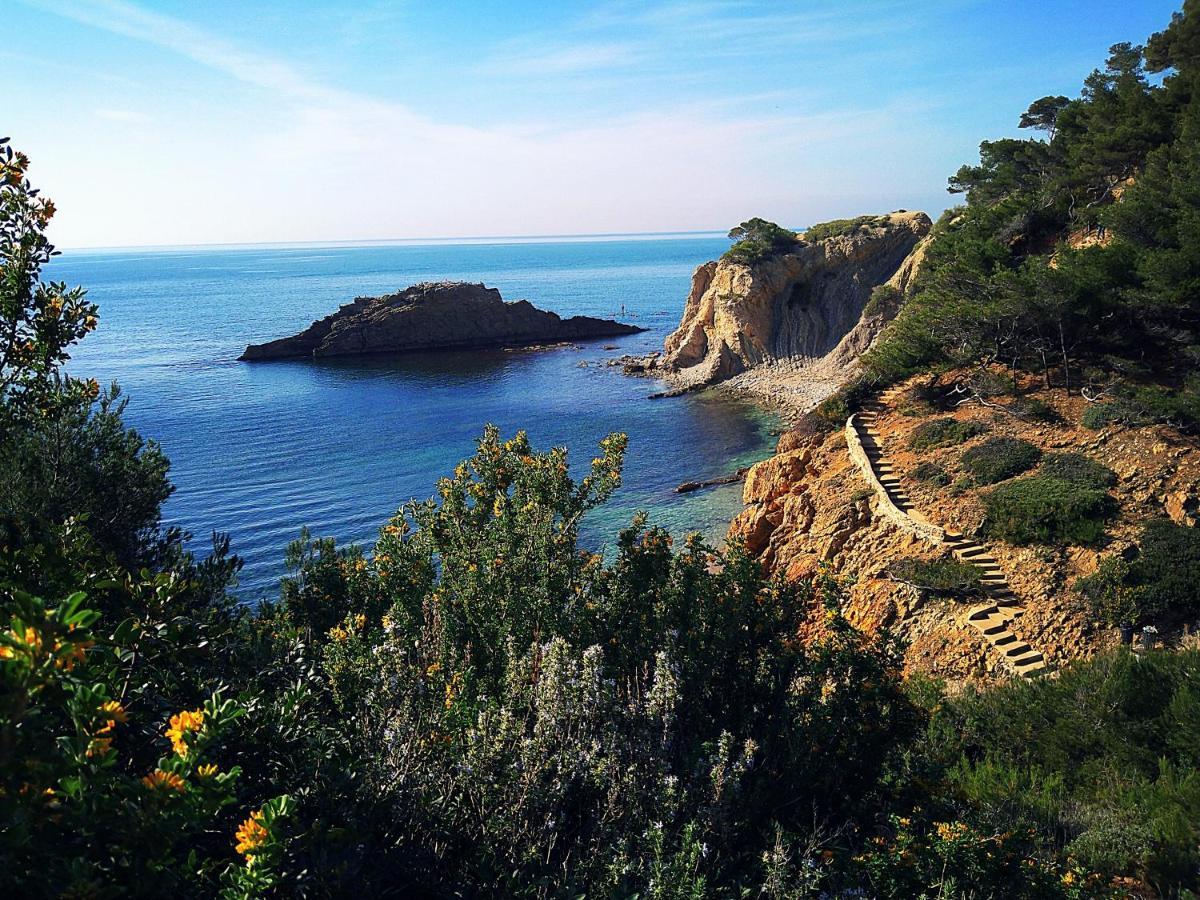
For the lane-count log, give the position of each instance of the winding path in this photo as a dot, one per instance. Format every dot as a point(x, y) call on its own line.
point(993, 619)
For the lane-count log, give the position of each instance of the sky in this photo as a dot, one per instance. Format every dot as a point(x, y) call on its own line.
point(173, 122)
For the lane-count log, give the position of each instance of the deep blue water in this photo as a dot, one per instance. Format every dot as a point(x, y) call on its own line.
point(261, 450)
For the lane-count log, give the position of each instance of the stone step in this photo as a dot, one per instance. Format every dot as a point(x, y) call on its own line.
point(1032, 658)
point(1002, 637)
point(1033, 669)
point(1018, 650)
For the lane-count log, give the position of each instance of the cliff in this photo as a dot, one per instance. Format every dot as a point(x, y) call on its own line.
point(802, 309)
point(434, 316)
point(815, 506)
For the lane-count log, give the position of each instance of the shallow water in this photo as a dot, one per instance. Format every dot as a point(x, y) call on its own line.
point(260, 450)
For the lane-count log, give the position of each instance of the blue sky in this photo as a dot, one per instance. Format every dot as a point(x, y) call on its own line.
point(224, 122)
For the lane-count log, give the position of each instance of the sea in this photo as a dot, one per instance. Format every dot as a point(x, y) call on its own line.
point(261, 450)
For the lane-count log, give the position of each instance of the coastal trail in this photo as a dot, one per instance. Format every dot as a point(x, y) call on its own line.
point(993, 619)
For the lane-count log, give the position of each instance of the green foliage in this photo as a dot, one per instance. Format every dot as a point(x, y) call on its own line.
point(999, 458)
point(944, 432)
point(1112, 599)
point(758, 239)
point(884, 300)
point(1078, 468)
point(1160, 578)
point(931, 473)
point(1046, 510)
point(1118, 173)
point(1099, 762)
point(41, 319)
point(843, 227)
point(1101, 415)
point(945, 575)
point(1147, 405)
point(1166, 570)
point(1035, 410)
point(640, 691)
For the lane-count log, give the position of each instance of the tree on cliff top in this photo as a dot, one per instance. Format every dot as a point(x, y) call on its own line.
point(758, 239)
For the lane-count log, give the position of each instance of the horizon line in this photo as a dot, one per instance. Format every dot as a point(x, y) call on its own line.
point(365, 242)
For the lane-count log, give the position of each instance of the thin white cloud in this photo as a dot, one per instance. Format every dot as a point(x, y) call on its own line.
point(563, 60)
point(321, 162)
point(129, 116)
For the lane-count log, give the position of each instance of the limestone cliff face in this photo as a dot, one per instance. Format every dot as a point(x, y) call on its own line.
point(799, 305)
point(434, 316)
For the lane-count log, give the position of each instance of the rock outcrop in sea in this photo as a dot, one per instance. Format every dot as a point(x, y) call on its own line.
point(789, 327)
point(448, 315)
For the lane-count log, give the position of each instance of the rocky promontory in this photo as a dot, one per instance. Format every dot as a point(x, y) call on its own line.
point(431, 316)
point(790, 326)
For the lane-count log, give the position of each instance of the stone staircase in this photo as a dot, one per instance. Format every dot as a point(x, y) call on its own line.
point(994, 618)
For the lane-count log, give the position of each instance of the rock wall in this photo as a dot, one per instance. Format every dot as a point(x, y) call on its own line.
point(797, 306)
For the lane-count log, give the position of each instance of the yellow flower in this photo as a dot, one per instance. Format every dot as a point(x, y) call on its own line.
point(158, 780)
point(30, 640)
point(339, 634)
point(360, 622)
point(1068, 878)
point(183, 724)
point(951, 832)
point(433, 669)
point(208, 770)
point(251, 835)
point(115, 710)
point(99, 746)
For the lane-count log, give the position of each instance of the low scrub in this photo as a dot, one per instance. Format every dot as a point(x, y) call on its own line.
point(1035, 410)
point(999, 458)
point(843, 227)
point(1160, 579)
point(945, 575)
point(931, 473)
point(1078, 468)
point(1046, 510)
point(944, 432)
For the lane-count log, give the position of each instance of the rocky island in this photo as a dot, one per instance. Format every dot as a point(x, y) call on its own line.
point(434, 316)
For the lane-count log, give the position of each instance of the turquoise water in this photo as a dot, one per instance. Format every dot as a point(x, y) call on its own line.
point(260, 450)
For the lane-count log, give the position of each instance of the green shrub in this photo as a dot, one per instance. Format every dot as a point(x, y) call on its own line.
point(1161, 578)
point(884, 300)
point(833, 411)
point(944, 432)
point(1035, 410)
point(1110, 762)
point(1148, 405)
point(931, 473)
point(1040, 509)
point(1108, 591)
point(758, 239)
point(999, 458)
point(945, 575)
point(1166, 571)
point(1078, 468)
point(842, 227)
point(1101, 415)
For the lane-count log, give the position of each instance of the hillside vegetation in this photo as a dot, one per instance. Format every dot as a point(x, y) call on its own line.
point(1077, 254)
point(476, 706)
